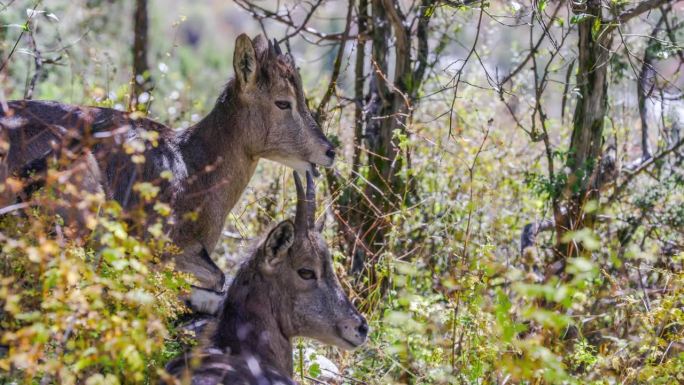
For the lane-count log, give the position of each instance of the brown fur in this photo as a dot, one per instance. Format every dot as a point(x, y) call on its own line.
point(212, 162)
point(269, 302)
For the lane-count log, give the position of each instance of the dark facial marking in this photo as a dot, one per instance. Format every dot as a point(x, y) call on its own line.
point(246, 65)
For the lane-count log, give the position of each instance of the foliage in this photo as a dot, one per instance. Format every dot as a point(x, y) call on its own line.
point(75, 312)
point(454, 301)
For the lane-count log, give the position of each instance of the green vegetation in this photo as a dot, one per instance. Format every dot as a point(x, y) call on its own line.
point(597, 298)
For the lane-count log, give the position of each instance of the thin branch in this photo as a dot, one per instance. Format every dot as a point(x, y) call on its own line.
point(566, 88)
point(320, 111)
point(641, 8)
point(644, 91)
point(260, 13)
point(5, 6)
point(306, 20)
point(38, 60)
point(471, 175)
point(642, 167)
point(16, 43)
point(460, 3)
point(533, 51)
point(457, 78)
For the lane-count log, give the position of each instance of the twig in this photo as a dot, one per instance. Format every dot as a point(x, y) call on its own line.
point(643, 166)
point(260, 13)
point(336, 66)
point(16, 43)
point(566, 87)
point(533, 51)
point(306, 20)
point(471, 172)
point(5, 6)
point(352, 379)
point(641, 8)
point(315, 380)
point(459, 3)
point(465, 62)
point(14, 207)
point(38, 60)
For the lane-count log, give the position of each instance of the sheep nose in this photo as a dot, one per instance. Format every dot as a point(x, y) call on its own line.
point(330, 153)
point(363, 328)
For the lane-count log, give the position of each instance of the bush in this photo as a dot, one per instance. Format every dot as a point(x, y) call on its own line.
point(95, 313)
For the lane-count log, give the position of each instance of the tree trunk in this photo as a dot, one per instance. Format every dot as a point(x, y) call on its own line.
point(587, 134)
point(142, 81)
point(587, 131)
point(386, 113)
point(363, 210)
point(378, 143)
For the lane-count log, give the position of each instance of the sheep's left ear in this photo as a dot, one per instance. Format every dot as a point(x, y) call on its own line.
point(245, 62)
point(278, 242)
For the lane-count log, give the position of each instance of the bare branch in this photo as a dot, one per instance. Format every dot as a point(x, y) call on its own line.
point(533, 51)
point(306, 20)
point(320, 111)
point(460, 3)
point(641, 8)
point(38, 60)
point(457, 78)
point(631, 174)
point(260, 13)
point(16, 43)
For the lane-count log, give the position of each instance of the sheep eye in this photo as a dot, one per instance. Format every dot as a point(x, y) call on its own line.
point(306, 274)
point(283, 104)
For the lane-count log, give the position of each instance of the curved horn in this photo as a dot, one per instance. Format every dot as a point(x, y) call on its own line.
point(276, 47)
point(301, 217)
point(270, 49)
point(306, 204)
point(311, 201)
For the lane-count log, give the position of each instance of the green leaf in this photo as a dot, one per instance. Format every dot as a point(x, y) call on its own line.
point(596, 28)
point(110, 255)
point(584, 236)
point(429, 11)
point(315, 370)
point(541, 5)
point(576, 19)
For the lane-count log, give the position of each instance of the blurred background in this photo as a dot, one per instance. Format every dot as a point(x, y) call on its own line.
point(464, 223)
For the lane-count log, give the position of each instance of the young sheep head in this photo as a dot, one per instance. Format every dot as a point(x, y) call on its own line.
point(297, 260)
point(271, 101)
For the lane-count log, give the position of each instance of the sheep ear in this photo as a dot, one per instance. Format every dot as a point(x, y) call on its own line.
point(278, 242)
point(261, 46)
point(244, 62)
